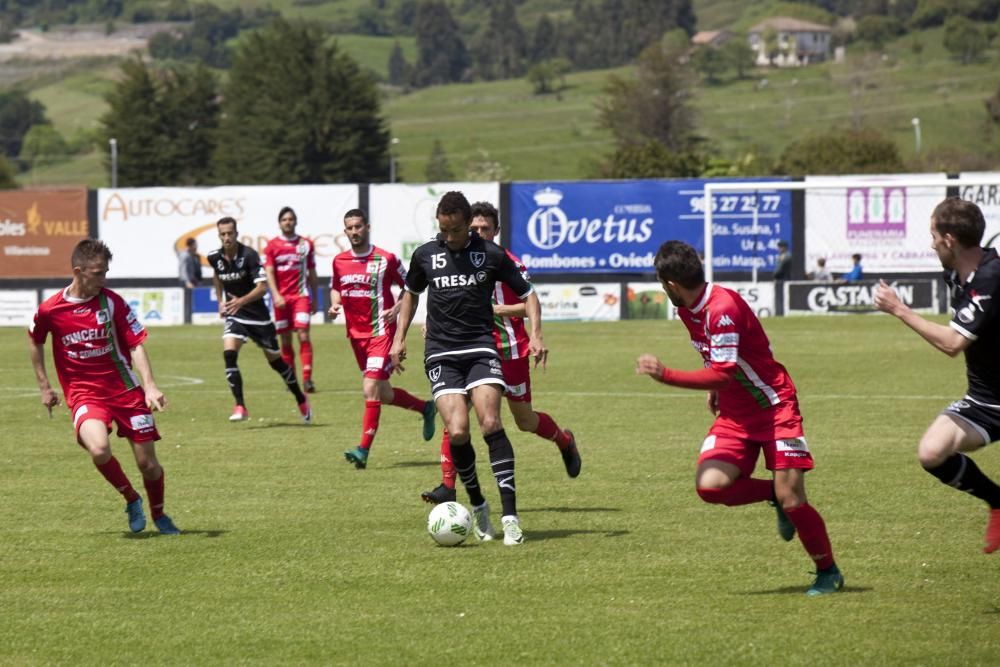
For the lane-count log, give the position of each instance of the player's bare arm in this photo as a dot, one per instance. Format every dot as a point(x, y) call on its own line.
point(49, 397)
point(407, 307)
point(272, 284)
point(510, 309)
point(536, 346)
point(392, 314)
point(335, 304)
point(942, 337)
point(155, 400)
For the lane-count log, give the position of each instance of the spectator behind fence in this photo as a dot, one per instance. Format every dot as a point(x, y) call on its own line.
point(821, 273)
point(189, 264)
point(783, 262)
point(856, 273)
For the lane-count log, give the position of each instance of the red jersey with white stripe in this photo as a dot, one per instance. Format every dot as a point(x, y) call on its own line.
point(509, 332)
point(291, 259)
point(730, 338)
point(92, 341)
point(365, 285)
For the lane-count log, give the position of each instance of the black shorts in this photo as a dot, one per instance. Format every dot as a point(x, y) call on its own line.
point(982, 417)
point(460, 373)
point(263, 334)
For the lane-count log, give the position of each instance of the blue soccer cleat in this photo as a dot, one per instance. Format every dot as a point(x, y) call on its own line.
point(357, 456)
point(166, 526)
point(429, 412)
point(827, 581)
point(136, 517)
point(786, 529)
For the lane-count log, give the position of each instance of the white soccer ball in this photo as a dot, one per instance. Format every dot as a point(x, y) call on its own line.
point(449, 524)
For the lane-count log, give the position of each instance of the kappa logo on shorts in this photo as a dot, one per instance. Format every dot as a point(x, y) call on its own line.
point(959, 405)
point(142, 422)
point(494, 363)
point(434, 374)
point(477, 258)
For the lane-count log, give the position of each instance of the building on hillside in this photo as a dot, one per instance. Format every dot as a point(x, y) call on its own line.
point(714, 38)
point(786, 42)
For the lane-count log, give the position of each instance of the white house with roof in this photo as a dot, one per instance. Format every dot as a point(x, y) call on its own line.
point(793, 42)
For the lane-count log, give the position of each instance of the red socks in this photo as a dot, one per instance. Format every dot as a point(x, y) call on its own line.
point(306, 355)
point(447, 466)
point(112, 471)
point(154, 491)
point(812, 532)
point(404, 399)
point(743, 491)
point(548, 429)
point(288, 355)
point(369, 423)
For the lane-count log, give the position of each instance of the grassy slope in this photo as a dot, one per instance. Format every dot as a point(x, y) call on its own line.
point(293, 557)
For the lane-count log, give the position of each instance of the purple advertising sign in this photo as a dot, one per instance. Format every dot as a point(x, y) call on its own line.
point(877, 212)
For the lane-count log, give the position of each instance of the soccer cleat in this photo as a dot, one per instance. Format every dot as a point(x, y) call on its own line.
point(827, 581)
point(481, 525)
point(239, 414)
point(429, 411)
point(786, 529)
point(308, 387)
point(136, 517)
point(993, 532)
point(306, 411)
point(571, 456)
point(166, 526)
point(512, 534)
point(442, 494)
point(357, 456)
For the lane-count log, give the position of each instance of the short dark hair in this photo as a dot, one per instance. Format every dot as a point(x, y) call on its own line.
point(287, 209)
point(357, 213)
point(484, 209)
point(678, 262)
point(190, 241)
point(856, 257)
point(455, 203)
point(226, 221)
point(960, 218)
point(782, 244)
point(89, 250)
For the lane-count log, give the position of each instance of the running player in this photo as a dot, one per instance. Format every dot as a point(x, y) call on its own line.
point(512, 341)
point(973, 275)
point(459, 271)
point(361, 286)
point(240, 285)
point(755, 404)
point(290, 264)
point(97, 347)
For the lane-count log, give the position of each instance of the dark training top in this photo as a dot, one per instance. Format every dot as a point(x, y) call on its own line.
point(977, 317)
point(460, 293)
point(238, 278)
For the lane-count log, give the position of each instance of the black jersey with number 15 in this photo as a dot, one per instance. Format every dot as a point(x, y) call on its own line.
point(977, 317)
point(460, 285)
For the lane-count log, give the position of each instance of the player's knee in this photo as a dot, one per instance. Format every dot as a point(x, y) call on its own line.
point(490, 424)
point(526, 422)
point(931, 454)
point(150, 468)
point(789, 500)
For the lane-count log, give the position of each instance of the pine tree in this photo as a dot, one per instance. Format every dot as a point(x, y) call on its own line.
point(399, 69)
point(442, 56)
point(298, 110)
point(543, 41)
point(438, 170)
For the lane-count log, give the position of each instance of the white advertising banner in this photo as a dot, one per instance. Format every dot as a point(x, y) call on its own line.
point(886, 220)
point(403, 215)
point(987, 197)
point(17, 307)
point(580, 301)
point(146, 227)
point(153, 306)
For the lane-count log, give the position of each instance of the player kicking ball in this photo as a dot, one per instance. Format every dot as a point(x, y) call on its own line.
point(97, 347)
point(755, 406)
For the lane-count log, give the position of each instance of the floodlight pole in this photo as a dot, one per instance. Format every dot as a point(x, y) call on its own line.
point(916, 132)
point(392, 159)
point(113, 143)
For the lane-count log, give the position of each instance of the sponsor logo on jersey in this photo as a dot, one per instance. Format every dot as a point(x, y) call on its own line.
point(141, 422)
point(83, 335)
point(725, 339)
point(477, 258)
point(434, 374)
point(977, 299)
point(481, 276)
point(82, 310)
point(454, 281)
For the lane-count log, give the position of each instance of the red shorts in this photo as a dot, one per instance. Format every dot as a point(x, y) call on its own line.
point(373, 356)
point(127, 410)
point(783, 442)
point(517, 375)
point(294, 314)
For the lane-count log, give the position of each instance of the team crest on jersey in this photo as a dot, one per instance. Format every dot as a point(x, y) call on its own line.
point(434, 374)
point(239, 262)
point(478, 258)
point(302, 248)
point(103, 316)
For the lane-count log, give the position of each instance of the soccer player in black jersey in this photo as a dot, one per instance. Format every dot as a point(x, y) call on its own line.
point(459, 272)
point(973, 276)
point(240, 284)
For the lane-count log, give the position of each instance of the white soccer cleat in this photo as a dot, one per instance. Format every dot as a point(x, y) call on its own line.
point(239, 414)
point(512, 534)
point(481, 525)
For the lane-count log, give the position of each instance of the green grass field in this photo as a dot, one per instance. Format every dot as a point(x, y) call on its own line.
point(290, 556)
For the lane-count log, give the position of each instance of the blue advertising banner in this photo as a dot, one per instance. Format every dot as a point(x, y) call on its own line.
point(617, 227)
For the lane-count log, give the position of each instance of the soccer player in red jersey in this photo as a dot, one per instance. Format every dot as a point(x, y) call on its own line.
point(97, 347)
point(512, 342)
point(290, 263)
point(361, 287)
point(755, 404)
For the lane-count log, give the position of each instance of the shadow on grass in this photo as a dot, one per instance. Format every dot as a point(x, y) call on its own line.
point(539, 535)
point(149, 534)
point(800, 590)
point(415, 464)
